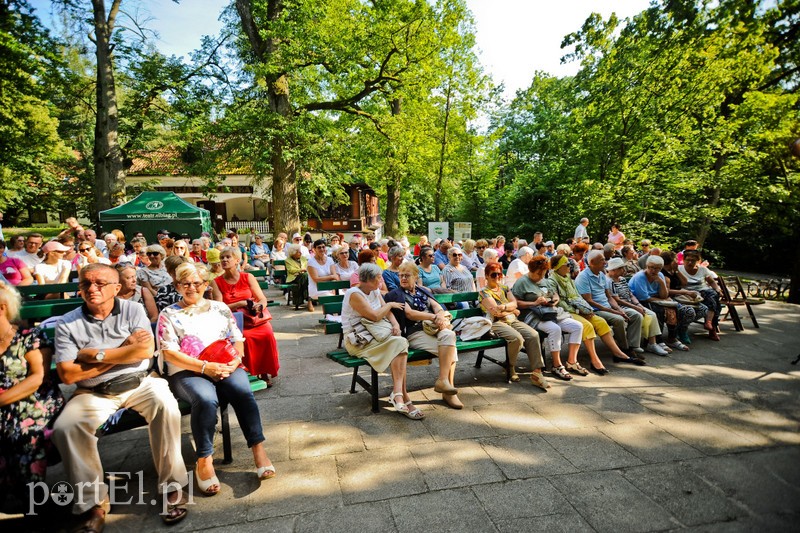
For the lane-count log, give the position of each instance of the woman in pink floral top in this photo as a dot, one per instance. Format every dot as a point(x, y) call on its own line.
point(184, 330)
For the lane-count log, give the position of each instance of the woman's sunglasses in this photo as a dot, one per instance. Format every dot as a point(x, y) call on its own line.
point(496, 275)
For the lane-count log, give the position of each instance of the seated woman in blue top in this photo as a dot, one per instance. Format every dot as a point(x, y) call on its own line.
point(391, 275)
point(430, 275)
point(259, 253)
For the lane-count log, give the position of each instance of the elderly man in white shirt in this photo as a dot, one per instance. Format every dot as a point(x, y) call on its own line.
point(519, 266)
point(580, 232)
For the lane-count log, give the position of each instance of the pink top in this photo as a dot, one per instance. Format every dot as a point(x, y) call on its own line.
point(617, 239)
point(11, 270)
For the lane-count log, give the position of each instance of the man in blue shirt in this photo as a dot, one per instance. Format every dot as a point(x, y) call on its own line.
point(593, 285)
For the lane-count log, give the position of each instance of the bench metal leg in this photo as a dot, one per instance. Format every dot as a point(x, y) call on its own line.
point(227, 457)
point(370, 386)
point(479, 359)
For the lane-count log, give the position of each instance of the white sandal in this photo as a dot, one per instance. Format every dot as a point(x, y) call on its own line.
point(416, 414)
point(398, 403)
point(205, 484)
point(265, 472)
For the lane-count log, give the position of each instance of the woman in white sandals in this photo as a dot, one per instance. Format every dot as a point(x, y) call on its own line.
point(371, 332)
point(184, 330)
point(420, 306)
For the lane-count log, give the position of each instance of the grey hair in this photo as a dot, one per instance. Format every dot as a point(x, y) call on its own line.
point(198, 241)
point(397, 250)
point(233, 250)
point(12, 300)
point(594, 253)
point(139, 240)
point(655, 260)
point(609, 247)
point(584, 219)
point(369, 271)
point(524, 251)
point(489, 253)
point(157, 248)
point(292, 249)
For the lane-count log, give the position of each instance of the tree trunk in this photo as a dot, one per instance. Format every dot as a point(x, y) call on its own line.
point(394, 185)
point(705, 226)
point(109, 173)
point(285, 206)
point(437, 195)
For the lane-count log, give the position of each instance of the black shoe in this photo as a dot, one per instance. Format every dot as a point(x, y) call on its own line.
point(629, 360)
point(599, 371)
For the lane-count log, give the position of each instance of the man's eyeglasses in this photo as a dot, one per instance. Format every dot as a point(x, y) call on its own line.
point(86, 285)
point(195, 284)
point(320, 247)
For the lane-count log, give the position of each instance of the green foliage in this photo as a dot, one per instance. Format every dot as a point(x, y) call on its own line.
point(676, 126)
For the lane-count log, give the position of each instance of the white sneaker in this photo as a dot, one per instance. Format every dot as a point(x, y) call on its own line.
point(665, 347)
point(656, 349)
point(638, 350)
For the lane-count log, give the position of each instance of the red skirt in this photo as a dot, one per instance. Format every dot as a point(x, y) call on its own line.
point(261, 350)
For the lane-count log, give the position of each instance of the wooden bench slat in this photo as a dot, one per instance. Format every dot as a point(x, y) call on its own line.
point(33, 290)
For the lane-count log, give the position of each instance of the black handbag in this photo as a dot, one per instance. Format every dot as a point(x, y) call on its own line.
point(545, 313)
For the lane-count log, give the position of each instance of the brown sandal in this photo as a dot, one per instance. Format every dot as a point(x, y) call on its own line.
point(175, 511)
point(95, 524)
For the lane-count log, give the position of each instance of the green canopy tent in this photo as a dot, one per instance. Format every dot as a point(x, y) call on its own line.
point(152, 211)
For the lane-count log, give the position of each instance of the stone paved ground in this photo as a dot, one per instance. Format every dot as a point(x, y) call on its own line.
point(699, 441)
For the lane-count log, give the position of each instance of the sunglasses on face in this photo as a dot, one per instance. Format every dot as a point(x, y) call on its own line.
point(496, 275)
point(153, 254)
point(86, 285)
point(84, 249)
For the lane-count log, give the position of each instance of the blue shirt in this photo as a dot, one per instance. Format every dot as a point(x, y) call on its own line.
point(431, 280)
point(258, 250)
point(439, 258)
point(391, 279)
point(644, 289)
point(594, 285)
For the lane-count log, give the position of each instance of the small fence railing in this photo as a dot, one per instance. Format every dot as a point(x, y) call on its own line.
point(260, 226)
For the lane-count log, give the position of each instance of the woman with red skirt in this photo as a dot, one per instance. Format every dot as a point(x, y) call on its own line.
point(240, 291)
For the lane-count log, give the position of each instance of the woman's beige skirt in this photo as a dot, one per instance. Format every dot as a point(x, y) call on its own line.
point(378, 354)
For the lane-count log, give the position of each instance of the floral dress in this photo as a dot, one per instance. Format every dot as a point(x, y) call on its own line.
point(26, 425)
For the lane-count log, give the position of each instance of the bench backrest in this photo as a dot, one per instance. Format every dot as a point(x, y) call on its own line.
point(448, 298)
point(33, 290)
point(40, 310)
point(279, 270)
point(335, 286)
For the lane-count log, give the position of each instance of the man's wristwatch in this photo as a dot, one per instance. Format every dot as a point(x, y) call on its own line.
point(100, 356)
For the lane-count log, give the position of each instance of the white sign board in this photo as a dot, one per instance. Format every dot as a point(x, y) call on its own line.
point(462, 231)
point(438, 230)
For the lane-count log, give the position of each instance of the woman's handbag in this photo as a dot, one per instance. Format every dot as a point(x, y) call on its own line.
point(545, 313)
point(380, 329)
point(430, 327)
point(255, 315)
point(221, 351)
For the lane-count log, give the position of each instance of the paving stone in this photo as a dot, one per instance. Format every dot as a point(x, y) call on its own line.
point(465, 424)
point(748, 482)
point(650, 443)
point(527, 456)
point(306, 385)
point(705, 435)
point(443, 511)
point(447, 465)
point(570, 416)
point(386, 429)
point(688, 497)
point(567, 522)
point(609, 502)
point(381, 474)
point(512, 418)
point(589, 449)
point(302, 485)
point(617, 408)
point(315, 439)
point(520, 499)
point(373, 517)
point(282, 524)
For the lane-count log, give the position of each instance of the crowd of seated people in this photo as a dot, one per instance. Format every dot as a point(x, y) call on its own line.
point(538, 295)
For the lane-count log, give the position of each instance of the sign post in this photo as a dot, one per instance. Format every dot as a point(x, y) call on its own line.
point(438, 230)
point(462, 231)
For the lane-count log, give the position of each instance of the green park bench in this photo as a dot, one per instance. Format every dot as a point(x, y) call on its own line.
point(333, 305)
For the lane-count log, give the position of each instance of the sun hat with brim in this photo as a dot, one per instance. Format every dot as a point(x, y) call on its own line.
point(615, 263)
point(54, 246)
point(212, 255)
